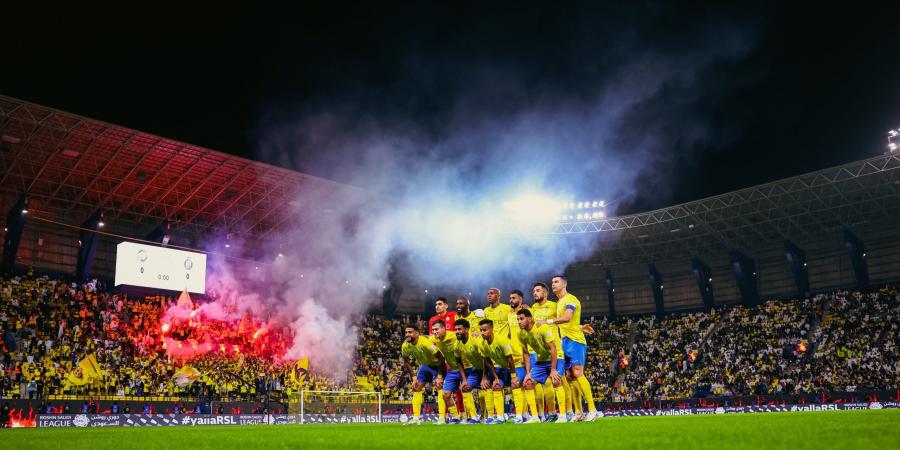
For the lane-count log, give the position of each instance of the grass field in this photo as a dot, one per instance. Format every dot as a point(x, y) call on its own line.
point(816, 430)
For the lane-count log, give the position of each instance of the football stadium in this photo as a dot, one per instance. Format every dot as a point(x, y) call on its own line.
point(350, 283)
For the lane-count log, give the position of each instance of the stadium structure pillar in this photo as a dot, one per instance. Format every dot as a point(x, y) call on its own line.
point(856, 249)
point(703, 275)
point(656, 286)
point(15, 225)
point(88, 245)
point(796, 259)
point(611, 294)
point(745, 275)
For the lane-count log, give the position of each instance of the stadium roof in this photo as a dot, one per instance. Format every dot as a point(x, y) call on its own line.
point(859, 194)
point(69, 166)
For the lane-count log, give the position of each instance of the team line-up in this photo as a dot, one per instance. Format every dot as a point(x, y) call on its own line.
point(537, 353)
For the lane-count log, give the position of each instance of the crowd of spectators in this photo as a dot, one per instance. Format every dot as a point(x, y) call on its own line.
point(837, 341)
point(48, 326)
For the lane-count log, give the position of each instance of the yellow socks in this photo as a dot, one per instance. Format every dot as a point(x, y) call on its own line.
point(540, 399)
point(469, 402)
point(560, 398)
point(519, 401)
point(498, 404)
point(576, 397)
point(549, 396)
point(418, 400)
point(442, 407)
point(454, 411)
point(586, 392)
point(532, 402)
point(487, 397)
point(568, 390)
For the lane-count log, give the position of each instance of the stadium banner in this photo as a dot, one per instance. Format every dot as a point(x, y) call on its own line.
point(751, 409)
point(164, 420)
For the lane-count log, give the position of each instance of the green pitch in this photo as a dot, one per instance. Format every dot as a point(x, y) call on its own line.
point(814, 430)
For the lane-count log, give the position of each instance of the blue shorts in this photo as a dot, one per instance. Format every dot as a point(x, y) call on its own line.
point(541, 370)
point(503, 375)
point(451, 381)
point(520, 371)
point(574, 351)
point(426, 374)
point(473, 378)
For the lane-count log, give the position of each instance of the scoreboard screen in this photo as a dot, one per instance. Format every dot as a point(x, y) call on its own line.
point(160, 268)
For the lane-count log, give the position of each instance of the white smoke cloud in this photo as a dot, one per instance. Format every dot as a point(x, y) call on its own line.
point(434, 193)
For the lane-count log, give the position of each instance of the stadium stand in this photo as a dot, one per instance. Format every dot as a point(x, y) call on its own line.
point(832, 342)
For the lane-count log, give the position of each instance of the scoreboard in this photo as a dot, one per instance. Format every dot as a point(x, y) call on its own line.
point(160, 268)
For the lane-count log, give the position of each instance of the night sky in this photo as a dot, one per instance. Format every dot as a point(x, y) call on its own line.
point(779, 89)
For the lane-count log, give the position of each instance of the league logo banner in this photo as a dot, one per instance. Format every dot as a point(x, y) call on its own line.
point(170, 420)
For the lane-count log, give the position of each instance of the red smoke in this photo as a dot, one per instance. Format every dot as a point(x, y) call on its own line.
point(191, 330)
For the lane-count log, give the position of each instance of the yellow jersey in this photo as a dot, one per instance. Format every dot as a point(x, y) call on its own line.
point(513, 321)
point(470, 352)
point(572, 328)
point(500, 317)
point(473, 320)
point(497, 352)
point(540, 338)
point(545, 312)
point(423, 351)
point(447, 347)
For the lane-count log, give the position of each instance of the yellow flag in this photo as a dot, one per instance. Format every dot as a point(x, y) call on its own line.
point(186, 375)
point(90, 368)
point(300, 370)
point(87, 372)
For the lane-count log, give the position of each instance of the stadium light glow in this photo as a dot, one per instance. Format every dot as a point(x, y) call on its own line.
point(591, 206)
point(532, 209)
